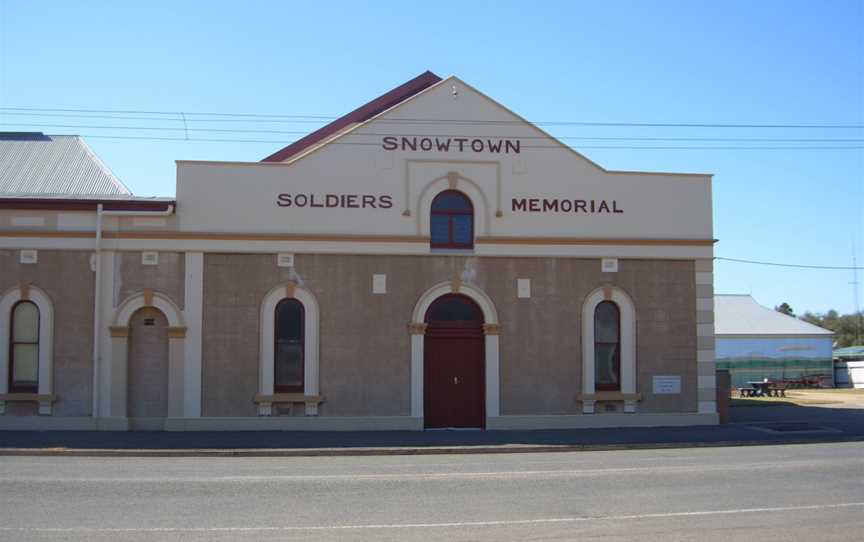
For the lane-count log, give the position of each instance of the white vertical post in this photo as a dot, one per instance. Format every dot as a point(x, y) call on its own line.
point(193, 314)
point(493, 381)
point(176, 378)
point(116, 382)
point(105, 363)
point(417, 375)
point(587, 361)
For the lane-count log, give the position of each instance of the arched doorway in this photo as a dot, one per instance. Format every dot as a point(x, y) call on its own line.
point(453, 374)
point(147, 369)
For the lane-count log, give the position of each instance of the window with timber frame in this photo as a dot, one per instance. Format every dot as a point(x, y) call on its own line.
point(24, 348)
point(607, 347)
point(289, 349)
point(451, 222)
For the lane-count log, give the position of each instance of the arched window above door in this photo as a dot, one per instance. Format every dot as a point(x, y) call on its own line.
point(451, 223)
point(454, 308)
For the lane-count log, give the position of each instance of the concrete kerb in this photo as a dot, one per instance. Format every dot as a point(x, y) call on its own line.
point(444, 450)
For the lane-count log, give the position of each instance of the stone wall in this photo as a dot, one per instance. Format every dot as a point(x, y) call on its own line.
point(168, 277)
point(66, 278)
point(365, 346)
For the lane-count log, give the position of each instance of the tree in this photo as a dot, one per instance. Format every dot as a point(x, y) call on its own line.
point(848, 329)
point(785, 309)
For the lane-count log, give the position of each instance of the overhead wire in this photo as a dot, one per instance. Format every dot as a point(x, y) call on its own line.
point(485, 136)
point(324, 118)
point(797, 266)
point(186, 130)
point(192, 117)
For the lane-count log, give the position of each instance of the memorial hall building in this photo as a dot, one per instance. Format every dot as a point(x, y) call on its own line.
point(429, 260)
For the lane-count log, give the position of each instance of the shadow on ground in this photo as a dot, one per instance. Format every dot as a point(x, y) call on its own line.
point(749, 425)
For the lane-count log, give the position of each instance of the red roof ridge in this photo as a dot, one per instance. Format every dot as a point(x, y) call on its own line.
point(361, 114)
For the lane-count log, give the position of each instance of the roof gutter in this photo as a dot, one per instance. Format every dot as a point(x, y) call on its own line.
point(148, 207)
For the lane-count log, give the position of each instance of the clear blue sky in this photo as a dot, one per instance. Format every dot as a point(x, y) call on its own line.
point(769, 62)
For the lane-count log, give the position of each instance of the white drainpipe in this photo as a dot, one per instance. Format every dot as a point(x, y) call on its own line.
point(97, 298)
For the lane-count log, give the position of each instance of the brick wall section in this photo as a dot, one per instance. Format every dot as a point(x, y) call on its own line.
point(365, 347)
point(67, 279)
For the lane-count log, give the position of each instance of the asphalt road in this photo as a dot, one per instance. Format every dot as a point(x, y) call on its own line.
point(794, 492)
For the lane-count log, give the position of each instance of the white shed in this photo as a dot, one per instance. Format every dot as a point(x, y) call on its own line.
point(755, 342)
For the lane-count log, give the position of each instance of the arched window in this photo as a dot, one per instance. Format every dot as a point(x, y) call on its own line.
point(607, 347)
point(452, 221)
point(24, 348)
point(289, 350)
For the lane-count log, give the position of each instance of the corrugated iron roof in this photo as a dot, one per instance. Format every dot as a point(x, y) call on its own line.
point(55, 166)
point(742, 315)
point(850, 352)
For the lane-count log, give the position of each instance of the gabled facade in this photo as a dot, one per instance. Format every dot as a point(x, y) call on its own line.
point(429, 260)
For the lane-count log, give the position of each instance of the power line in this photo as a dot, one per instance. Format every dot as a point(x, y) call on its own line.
point(376, 144)
point(174, 118)
point(799, 266)
point(484, 136)
point(171, 113)
point(449, 121)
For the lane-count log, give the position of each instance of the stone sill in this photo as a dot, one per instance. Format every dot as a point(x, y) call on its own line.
point(44, 400)
point(609, 396)
point(28, 397)
point(289, 398)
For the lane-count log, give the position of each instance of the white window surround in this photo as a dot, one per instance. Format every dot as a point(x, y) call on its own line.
point(461, 184)
point(46, 340)
point(267, 344)
point(628, 346)
point(490, 318)
point(138, 301)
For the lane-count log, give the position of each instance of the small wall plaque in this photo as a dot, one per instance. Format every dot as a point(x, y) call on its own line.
point(379, 284)
point(523, 288)
point(285, 260)
point(149, 258)
point(667, 385)
point(29, 256)
point(609, 265)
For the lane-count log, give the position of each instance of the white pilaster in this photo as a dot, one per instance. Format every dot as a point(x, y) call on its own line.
point(706, 381)
point(417, 375)
point(493, 379)
point(193, 313)
point(116, 386)
point(105, 363)
point(176, 377)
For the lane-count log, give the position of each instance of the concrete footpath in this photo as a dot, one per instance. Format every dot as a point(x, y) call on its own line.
point(751, 426)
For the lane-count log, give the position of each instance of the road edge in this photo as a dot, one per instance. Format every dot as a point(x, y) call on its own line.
point(385, 451)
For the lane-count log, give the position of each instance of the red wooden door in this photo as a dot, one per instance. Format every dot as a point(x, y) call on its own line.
point(453, 365)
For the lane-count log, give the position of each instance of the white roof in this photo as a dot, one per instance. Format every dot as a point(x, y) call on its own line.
point(37, 165)
point(742, 315)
